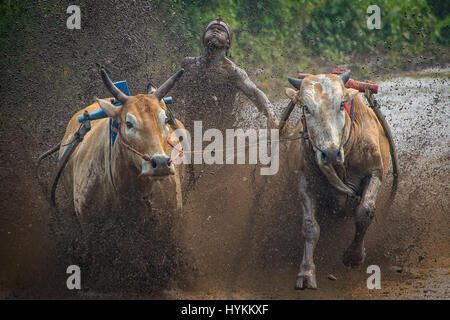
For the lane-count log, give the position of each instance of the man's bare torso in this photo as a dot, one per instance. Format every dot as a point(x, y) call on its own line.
point(207, 93)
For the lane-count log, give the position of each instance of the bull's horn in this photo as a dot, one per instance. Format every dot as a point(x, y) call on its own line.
point(345, 76)
point(166, 86)
point(119, 95)
point(295, 82)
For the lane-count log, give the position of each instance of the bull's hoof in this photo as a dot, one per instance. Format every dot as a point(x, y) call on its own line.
point(353, 256)
point(306, 279)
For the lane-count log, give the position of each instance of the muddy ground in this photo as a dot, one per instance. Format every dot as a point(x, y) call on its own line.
point(255, 222)
point(239, 234)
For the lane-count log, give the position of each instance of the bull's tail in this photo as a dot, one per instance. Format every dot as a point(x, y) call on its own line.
point(393, 152)
point(38, 163)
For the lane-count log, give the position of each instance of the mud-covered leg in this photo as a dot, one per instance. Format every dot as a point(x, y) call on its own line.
point(355, 253)
point(306, 278)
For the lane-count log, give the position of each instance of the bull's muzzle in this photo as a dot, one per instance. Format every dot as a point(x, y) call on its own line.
point(161, 165)
point(331, 156)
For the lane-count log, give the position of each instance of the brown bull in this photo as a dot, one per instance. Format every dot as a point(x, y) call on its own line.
point(99, 174)
point(342, 162)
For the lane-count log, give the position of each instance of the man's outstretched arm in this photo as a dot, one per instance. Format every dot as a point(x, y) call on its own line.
point(256, 96)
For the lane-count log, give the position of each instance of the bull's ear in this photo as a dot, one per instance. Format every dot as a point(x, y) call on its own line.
point(292, 94)
point(110, 110)
point(349, 94)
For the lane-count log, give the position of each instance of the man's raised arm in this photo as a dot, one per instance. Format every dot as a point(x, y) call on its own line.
point(256, 96)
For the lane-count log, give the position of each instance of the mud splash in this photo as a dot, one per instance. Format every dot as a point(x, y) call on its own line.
point(243, 231)
point(240, 232)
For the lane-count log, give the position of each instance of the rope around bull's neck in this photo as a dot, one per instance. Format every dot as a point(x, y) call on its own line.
point(306, 136)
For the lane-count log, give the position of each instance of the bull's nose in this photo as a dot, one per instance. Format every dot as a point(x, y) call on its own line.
point(331, 156)
point(160, 165)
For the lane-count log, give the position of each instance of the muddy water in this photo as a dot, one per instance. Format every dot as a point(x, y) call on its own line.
point(242, 231)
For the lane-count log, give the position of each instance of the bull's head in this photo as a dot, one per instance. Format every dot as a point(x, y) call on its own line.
point(143, 124)
point(322, 97)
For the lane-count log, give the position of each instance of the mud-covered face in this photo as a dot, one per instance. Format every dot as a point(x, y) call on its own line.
point(322, 97)
point(216, 36)
point(143, 125)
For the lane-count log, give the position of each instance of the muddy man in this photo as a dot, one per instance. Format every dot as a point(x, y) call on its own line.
point(211, 82)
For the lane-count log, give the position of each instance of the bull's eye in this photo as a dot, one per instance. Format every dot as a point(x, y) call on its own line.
point(342, 106)
point(129, 125)
point(163, 121)
point(306, 109)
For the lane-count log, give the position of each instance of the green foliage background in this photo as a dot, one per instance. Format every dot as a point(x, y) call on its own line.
point(269, 31)
point(283, 36)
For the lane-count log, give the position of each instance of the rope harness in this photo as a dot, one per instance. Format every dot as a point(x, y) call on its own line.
point(78, 137)
point(306, 136)
point(145, 157)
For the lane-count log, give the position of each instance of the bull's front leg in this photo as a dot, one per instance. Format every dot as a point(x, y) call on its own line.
point(306, 278)
point(355, 253)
